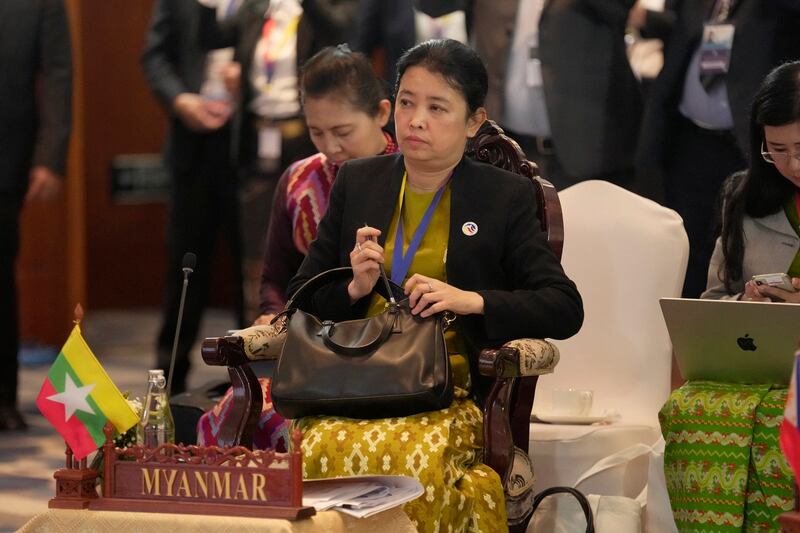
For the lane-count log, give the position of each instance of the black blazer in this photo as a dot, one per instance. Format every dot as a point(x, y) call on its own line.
point(174, 63)
point(34, 41)
point(508, 261)
point(594, 101)
point(323, 23)
point(766, 35)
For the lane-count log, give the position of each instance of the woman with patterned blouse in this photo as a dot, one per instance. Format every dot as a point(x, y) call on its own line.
point(345, 110)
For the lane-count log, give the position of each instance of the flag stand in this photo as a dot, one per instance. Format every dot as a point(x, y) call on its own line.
point(75, 484)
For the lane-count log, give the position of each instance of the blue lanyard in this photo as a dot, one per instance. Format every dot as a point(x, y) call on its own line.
point(402, 262)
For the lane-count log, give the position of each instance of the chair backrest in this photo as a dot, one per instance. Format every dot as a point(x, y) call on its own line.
point(624, 252)
point(490, 145)
point(508, 403)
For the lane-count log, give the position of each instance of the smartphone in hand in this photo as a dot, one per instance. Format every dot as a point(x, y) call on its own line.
point(778, 280)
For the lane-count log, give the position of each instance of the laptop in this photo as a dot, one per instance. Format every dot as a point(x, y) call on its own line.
point(732, 341)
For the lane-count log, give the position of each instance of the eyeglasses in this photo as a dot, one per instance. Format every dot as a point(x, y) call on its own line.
point(778, 158)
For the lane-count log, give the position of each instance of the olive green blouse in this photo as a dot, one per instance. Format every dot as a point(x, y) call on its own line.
point(429, 260)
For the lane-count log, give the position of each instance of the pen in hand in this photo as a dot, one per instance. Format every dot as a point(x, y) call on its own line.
point(389, 291)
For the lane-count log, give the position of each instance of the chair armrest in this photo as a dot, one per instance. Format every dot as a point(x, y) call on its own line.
point(254, 343)
point(247, 400)
point(519, 358)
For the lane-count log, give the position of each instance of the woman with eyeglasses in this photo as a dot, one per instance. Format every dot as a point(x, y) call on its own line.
point(760, 205)
point(721, 439)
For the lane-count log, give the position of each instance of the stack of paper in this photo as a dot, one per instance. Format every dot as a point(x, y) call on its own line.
point(360, 496)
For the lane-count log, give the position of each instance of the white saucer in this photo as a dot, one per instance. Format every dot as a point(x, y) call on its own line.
point(568, 419)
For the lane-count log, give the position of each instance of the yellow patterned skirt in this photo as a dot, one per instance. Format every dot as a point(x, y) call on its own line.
point(442, 449)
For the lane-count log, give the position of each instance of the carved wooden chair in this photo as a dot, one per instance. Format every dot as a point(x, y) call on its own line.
point(514, 367)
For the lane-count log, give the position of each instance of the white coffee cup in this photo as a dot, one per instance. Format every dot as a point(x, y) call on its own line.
point(572, 402)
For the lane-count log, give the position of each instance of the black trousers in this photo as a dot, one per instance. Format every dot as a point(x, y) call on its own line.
point(700, 162)
point(203, 204)
point(9, 321)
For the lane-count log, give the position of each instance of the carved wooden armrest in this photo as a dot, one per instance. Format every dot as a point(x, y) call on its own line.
point(254, 343)
point(247, 400)
point(519, 358)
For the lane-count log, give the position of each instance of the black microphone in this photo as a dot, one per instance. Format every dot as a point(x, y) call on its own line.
point(189, 262)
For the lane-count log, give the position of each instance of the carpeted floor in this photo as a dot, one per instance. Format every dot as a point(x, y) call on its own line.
point(124, 343)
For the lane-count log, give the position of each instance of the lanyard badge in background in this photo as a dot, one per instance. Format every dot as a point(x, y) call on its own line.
point(716, 44)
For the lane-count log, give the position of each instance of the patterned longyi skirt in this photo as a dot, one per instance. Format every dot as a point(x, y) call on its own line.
point(723, 464)
point(441, 449)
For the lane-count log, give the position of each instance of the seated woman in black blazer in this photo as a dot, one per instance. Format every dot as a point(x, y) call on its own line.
point(482, 256)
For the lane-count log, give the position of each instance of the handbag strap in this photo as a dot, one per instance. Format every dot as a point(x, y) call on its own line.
point(621, 457)
point(389, 319)
point(582, 501)
point(302, 297)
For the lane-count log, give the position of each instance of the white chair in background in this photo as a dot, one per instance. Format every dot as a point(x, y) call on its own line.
point(624, 252)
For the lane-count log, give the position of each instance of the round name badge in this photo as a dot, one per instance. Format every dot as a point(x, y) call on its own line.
point(469, 229)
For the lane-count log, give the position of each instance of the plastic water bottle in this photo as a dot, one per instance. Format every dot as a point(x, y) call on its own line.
point(156, 427)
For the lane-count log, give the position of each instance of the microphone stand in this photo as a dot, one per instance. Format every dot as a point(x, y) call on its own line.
point(188, 267)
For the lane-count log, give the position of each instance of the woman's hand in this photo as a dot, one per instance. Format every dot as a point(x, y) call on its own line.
point(752, 293)
point(775, 294)
point(366, 258)
point(428, 296)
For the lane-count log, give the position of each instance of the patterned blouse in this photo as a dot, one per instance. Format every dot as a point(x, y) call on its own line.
point(301, 198)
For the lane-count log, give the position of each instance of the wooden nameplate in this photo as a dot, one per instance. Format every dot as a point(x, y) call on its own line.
point(173, 478)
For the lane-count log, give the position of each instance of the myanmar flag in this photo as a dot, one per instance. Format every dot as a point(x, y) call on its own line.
point(78, 398)
point(790, 432)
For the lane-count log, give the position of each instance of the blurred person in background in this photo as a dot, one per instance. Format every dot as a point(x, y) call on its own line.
point(398, 25)
point(187, 81)
point(695, 128)
point(35, 123)
point(561, 85)
point(654, 19)
point(272, 40)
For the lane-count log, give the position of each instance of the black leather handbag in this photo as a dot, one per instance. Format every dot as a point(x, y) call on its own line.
point(389, 365)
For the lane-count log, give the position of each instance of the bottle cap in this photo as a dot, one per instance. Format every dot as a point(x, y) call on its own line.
point(156, 376)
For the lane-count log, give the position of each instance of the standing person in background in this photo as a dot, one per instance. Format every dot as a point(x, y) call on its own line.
point(188, 83)
point(652, 23)
point(272, 40)
point(695, 128)
point(561, 85)
point(398, 25)
point(35, 122)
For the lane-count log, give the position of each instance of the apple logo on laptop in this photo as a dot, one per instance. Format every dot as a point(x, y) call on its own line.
point(747, 343)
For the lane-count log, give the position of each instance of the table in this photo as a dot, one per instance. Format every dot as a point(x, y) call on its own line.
point(67, 521)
